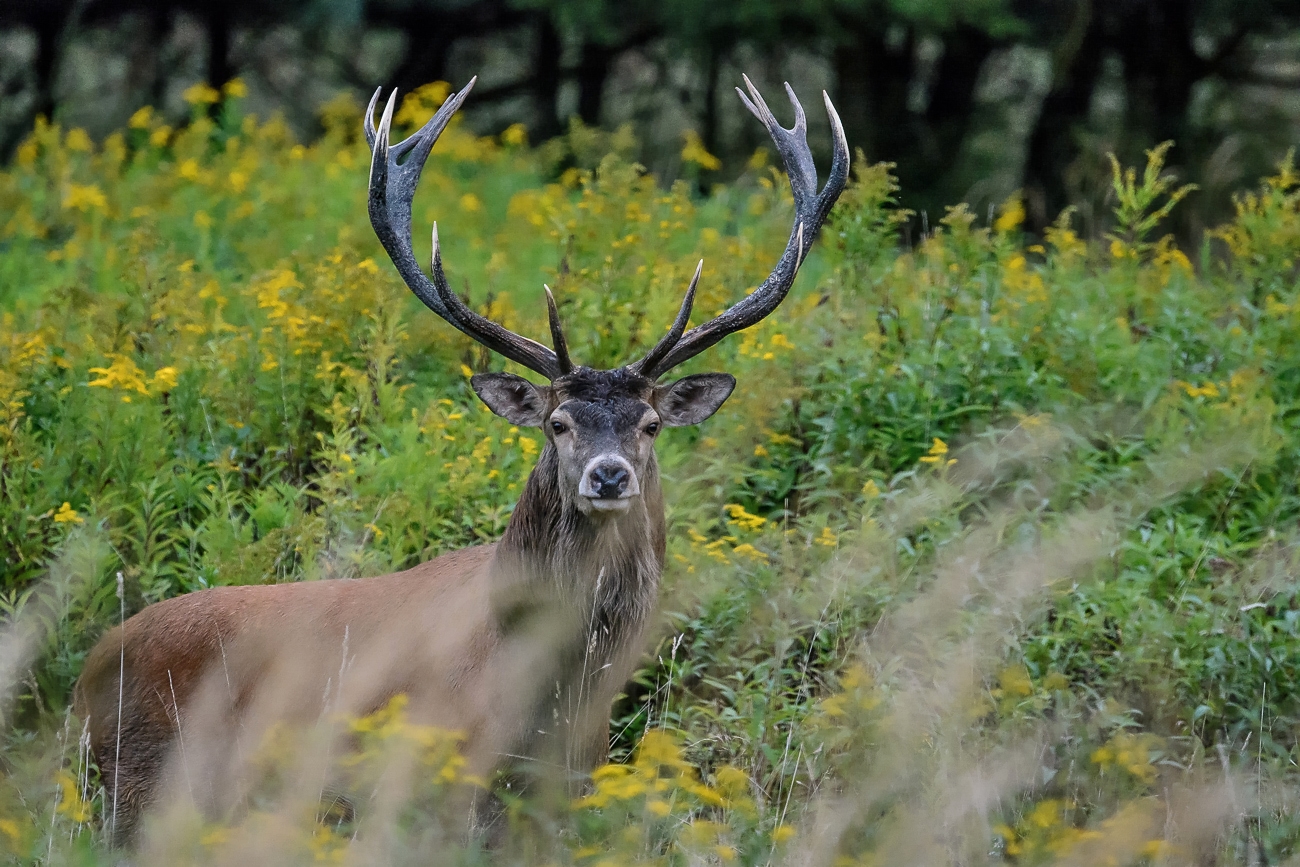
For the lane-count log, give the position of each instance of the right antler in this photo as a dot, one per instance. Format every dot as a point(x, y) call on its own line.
point(394, 174)
point(810, 210)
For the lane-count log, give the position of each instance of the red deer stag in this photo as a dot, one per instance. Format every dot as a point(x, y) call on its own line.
point(522, 644)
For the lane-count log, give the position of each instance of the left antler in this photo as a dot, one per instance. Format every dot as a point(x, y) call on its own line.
point(394, 174)
point(810, 210)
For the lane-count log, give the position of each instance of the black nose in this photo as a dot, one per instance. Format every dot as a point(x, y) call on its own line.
point(609, 480)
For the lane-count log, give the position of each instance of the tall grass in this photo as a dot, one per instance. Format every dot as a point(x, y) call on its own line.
point(991, 557)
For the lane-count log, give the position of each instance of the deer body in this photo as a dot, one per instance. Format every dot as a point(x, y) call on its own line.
point(521, 645)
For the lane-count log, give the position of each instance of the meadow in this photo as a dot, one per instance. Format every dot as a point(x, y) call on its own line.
point(991, 557)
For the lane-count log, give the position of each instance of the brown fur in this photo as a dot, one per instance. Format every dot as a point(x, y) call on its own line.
point(523, 645)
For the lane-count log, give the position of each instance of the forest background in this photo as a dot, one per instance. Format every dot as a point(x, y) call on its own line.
point(991, 557)
point(969, 100)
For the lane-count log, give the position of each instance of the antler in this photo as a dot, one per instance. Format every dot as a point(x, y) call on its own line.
point(394, 174)
point(810, 210)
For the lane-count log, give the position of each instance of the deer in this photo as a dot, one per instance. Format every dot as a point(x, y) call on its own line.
point(524, 644)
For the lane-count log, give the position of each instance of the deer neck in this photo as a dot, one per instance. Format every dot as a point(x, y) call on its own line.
point(603, 569)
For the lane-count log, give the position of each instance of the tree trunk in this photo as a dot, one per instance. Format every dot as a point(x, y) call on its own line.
point(1052, 144)
point(873, 79)
point(426, 55)
point(1160, 68)
point(218, 24)
point(546, 79)
point(853, 95)
point(890, 70)
point(709, 133)
point(593, 71)
point(49, 51)
point(951, 110)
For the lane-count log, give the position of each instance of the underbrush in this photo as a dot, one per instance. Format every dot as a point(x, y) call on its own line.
point(991, 556)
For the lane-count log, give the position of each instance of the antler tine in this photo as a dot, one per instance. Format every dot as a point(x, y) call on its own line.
point(669, 340)
point(394, 175)
point(810, 211)
point(368, 122)
point(557, 333)
point(800, 119)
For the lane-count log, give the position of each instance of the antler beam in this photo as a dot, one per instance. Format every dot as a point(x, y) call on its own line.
point(394, 175)
point(810, 211)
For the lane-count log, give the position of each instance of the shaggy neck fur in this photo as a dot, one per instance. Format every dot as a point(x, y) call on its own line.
point(602, 568)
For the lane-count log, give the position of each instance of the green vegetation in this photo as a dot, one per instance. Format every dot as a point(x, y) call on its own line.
point(991, 557)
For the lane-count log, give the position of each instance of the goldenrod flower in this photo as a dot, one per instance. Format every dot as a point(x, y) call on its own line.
point(67, 515)
point(937, 450)
point(200, 94)
point(746, 521)
point(693, 151)
point(87, 197)
point(123, 374)
point(78, 141)
point(70, 801)
point(515, 135)
point(1010, 215)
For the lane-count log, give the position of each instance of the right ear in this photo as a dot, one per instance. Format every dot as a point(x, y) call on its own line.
point(512, 397)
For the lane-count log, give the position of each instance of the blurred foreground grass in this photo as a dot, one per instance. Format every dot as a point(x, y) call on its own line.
point(991, 557)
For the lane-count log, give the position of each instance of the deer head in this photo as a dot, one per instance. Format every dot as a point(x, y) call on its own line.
point(600, 424)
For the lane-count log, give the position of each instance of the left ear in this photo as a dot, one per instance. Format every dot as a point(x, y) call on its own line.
point(692, 399)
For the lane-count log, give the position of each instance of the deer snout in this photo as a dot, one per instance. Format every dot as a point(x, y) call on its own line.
point(609, 481)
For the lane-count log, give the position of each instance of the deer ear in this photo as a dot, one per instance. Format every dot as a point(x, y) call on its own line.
point(512, 397)
point(692, 399)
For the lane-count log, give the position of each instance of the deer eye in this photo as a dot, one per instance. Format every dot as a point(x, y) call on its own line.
point(558, 427)
point(652, 428)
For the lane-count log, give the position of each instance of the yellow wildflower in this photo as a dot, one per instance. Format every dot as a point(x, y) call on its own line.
point(70, 800)
point(1015, 681)
point(78, 141)
point(693, 151)
point(733, 782)
point(13, 832)
point(87, 197)
point(737, 514)
point(67, 515)
point(1010, 215)
point(122, 373)
point(470, 203)
point(1055, 682)
point(164, 379)
point(235, 88)
point(200, 94)
point(937, 450)
point(827, 538)
point(515, 135)
point(142, 119)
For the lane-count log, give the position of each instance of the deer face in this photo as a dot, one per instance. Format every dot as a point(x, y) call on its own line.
point(603, 425)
